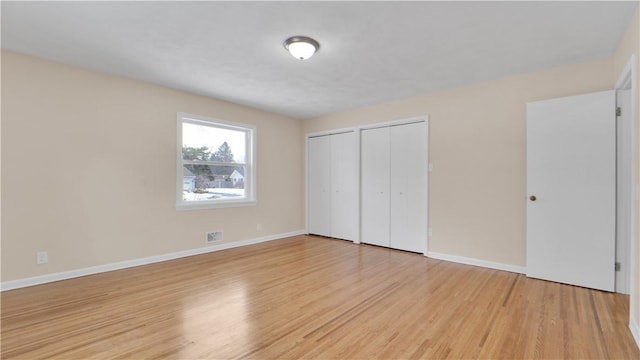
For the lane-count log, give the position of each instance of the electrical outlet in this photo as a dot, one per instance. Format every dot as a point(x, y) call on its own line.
point(259, 227)
point(430, 232)
point(42, 257)
point(214, 236)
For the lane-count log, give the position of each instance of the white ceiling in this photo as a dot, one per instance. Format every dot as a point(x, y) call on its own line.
point(370, 51)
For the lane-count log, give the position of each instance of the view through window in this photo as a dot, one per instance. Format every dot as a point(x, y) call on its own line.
point(215, 162)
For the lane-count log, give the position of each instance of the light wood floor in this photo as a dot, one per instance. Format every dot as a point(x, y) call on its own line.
point(310, 297)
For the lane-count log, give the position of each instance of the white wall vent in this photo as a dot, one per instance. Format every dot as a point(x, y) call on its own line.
point(214, 236)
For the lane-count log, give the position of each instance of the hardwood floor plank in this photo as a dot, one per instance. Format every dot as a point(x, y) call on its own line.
point(308, 297)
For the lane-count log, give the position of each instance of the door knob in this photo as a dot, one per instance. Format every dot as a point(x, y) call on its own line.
point(532, 198)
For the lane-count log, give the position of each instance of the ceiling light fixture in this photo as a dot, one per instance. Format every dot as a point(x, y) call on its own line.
point(301, 47)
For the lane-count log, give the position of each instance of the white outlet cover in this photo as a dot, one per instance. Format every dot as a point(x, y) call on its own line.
point(42, 257)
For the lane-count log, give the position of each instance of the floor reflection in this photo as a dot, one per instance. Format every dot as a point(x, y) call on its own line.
point(216, 322)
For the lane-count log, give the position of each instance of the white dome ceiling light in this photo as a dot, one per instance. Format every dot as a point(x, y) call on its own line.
point(301, 47)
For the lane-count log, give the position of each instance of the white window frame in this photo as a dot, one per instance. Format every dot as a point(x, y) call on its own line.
point(250, 164)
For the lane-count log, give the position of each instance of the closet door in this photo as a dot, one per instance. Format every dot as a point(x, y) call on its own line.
point(408, 190)
point(319, 185)
point(344, 186)
point(375, 168)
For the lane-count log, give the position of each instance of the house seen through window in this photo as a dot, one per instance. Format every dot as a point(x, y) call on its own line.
point(215, 165)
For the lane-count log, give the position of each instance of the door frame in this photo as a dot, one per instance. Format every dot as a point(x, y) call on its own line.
point(625, 82)
point(627, 79)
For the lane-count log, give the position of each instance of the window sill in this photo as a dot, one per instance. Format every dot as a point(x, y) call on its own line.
point(202, 205)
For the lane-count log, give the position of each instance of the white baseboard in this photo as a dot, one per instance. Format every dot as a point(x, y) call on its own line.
point(635, 330)
point(43, 279)
point(477, 262)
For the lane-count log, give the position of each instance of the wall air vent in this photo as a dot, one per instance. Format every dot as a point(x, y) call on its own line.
point(214, 236)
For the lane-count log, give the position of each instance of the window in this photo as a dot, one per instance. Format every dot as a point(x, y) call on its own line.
point(215, 163)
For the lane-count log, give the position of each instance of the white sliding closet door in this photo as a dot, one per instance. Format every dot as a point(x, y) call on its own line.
point(319, 185)
point(394, 186)
point(408, 190)
point(375, 163)
point(332, 185)
point(344, 186)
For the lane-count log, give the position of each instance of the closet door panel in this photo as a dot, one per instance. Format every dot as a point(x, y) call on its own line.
point(399, 163)
point(410, 151)
point(319, 183)
point(375, 167)
point(344, 186)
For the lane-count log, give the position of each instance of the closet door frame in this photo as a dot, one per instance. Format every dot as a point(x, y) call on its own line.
point(425, 119)
point(356, 132)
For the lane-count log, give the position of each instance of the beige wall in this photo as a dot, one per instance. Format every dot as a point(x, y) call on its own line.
point(477, 148)
point(88, 170)
point(629, 46)
point(0, 165)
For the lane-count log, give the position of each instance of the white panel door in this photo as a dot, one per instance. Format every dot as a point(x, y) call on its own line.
point(571, 180)
point(374, 165)
point(319, 183)
point(408, 199)
point(344, 186)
